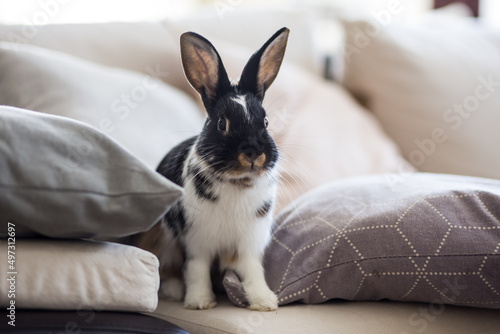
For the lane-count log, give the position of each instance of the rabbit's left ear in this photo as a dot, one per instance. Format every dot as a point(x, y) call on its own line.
point(203, 68)
point(262, 68)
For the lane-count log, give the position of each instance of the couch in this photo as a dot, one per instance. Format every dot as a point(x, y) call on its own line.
point(388, 220)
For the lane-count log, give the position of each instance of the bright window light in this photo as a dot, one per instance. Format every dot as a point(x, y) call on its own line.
point(489, 11)
point(41, 12)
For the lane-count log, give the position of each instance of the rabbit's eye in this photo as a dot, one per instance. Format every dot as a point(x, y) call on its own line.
point(266, 122)
point(222, 124)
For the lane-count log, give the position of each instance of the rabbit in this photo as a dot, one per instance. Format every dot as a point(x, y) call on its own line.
point(229, 175)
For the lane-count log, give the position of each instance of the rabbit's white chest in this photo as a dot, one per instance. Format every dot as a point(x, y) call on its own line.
point(233, 220)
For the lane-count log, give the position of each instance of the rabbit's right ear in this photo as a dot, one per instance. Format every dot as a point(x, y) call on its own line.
point(203, 68)
point(262, 68)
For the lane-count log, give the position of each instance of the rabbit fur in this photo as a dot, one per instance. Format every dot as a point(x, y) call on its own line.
point(229, 177)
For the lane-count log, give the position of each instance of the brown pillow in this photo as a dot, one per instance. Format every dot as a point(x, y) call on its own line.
point(425, 238)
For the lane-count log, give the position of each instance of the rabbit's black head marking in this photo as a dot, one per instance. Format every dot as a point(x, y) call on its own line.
point(234, 142)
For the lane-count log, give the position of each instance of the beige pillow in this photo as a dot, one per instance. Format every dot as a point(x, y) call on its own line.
point(139, 111)
point(326, 135)
point(144, 47)
point(435, 87)
point(79, 275)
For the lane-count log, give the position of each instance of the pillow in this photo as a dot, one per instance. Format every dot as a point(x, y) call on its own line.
point(429, 238)
point(435, 89)
point(145, 47)
point(325, 135)
point(80, 275)
point(62, 178)
point(139, 111)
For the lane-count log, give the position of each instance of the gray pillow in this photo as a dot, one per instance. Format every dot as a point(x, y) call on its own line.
point(62, 178)
point(426, 238)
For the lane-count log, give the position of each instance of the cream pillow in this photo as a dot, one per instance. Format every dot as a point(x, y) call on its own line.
point(435, 87)
point(326, 135)
point(142, 113)
point(79, 275)
point(145, 47)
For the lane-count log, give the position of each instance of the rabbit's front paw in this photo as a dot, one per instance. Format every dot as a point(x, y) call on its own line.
point(264, 301)
point(200, 302)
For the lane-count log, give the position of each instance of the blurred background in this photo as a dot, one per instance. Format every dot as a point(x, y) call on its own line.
point(322, 14)
point(41, 12)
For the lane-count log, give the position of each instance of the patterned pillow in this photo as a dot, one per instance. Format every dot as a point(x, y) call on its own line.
point(426, 238)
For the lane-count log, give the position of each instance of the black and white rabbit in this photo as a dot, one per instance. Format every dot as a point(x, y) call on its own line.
point(229, 176)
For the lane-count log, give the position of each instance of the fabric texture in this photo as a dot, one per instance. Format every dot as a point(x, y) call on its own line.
point(427, 238)
point(435, 87)
point(62, 178)
point(80, 275)
point(139, 111)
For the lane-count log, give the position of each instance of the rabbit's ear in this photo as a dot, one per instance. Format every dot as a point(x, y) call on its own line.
point(203, 67)
point(262, 68)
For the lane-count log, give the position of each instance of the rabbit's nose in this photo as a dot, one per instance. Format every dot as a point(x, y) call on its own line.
point(251, 160)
